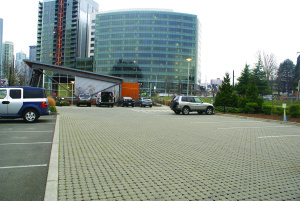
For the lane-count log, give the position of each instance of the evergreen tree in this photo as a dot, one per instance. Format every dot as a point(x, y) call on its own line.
point(296, 75)
point(244, 81)
point(226, 96)
point(259, 78)
point(285, 75)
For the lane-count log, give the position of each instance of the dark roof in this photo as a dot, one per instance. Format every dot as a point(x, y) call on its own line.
point(73, 71)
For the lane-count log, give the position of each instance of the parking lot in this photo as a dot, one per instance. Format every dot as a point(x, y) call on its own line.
point(25, 151)
point(153, 154)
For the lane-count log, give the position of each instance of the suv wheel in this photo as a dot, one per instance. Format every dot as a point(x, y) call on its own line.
point(209, 110)
point(30, 116)
point(185, 111)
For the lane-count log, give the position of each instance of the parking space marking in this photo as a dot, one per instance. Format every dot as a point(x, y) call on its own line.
point(280, 136)
point(256, 127)
point(213, 122)
point(24, 166)
point(26, 143)
point(27, 131)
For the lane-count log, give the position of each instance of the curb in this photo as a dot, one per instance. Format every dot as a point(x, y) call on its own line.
point(262, 119)
point(52, 178)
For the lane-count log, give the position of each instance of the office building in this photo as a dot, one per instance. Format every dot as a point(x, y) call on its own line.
point(1, 38)
point(7, 59)
point(62, 35)
point(149, 47)
point(32, 53)
point(63, 27)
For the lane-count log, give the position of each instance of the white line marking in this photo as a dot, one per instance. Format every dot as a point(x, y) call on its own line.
point(26, 143)
point(225, 122)
point(23, 166)
point(257, 127)
point(280, 136)
point(27, 131)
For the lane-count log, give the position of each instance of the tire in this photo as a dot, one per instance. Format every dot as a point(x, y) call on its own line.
point(122, 105)
point(90, 105)
point(177, 112)
point(150, 106)
point(30, 116)
point(185, 111)
point(209, 110)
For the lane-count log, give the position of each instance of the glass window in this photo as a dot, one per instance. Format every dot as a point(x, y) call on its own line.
point(15, 93)
point(2, 93)
point(198, 100)
point(34, 93)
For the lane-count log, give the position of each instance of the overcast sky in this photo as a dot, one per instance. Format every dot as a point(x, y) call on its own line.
point(233, 31)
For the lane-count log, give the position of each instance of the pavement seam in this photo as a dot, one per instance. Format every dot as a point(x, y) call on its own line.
point(52, 178)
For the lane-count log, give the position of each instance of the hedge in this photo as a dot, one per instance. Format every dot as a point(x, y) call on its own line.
point(294, 111)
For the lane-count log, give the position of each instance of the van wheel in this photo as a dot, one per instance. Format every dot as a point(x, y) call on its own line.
point(185, 111)
point(30, 116)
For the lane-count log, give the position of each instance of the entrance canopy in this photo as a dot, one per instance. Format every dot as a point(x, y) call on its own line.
point(84, 80)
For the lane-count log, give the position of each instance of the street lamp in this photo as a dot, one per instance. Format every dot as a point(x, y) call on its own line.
point(187, 90)
point(72, 82)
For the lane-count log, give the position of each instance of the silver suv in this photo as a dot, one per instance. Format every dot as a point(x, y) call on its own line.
point(187, 104)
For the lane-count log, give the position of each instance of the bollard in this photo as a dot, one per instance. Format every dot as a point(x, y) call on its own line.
point(284, 114)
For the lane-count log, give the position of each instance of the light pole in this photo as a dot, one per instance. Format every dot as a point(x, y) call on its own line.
point(72, 82)
point(187, 90)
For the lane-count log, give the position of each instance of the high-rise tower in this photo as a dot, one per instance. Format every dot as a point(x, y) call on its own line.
point(8, 60)
point(63, 30)
point(1, 36)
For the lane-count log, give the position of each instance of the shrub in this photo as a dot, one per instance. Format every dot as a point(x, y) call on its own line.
point(251, 108)
point(63, 103)
point(229, 109)
point(51, 101)
point(52, 108)
point(294, 111)
point(266, 108)
point(278, 110)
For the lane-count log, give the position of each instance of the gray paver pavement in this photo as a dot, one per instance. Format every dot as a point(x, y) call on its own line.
point(153, 154)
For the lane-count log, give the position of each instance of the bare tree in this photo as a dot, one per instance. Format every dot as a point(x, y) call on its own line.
point(269, 63)
point(270, 67)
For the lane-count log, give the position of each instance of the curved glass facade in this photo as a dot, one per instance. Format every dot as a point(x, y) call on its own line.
point(148, 47)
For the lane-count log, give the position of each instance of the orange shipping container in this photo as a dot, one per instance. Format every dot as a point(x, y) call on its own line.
point(130, 90)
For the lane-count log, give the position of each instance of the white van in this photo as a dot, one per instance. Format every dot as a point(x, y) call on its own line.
point(105, 98)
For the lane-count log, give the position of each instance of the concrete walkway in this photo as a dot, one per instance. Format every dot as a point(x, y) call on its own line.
point(153, 154)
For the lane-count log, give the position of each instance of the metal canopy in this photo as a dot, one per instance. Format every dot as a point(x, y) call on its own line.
point(72, 71)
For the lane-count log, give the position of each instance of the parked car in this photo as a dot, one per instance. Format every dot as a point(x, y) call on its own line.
point(143, 102)
point(105, 98)
point(84, 99)
point(125, 101)
point(187, 104)
point(28, 103)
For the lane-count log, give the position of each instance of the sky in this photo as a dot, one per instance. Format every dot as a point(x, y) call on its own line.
point(233, 31)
